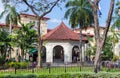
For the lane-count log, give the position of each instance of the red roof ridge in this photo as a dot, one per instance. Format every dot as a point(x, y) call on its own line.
point(62, 32)
point(53, 31)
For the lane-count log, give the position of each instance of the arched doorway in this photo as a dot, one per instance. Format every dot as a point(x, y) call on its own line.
point(75, 54)
point(43, 54)
point(58, 54)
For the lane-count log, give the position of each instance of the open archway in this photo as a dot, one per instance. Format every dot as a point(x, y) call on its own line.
point(75, 54)
point(58, 54)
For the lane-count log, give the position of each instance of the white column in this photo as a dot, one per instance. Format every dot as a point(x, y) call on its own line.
point(67, 54)
point(49, 54)
point(83, 52)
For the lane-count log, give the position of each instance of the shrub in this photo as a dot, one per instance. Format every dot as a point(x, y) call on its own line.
point(67, 75)
point(115, 58)
point(20, 76)
point(24, 64)
point(18, 64)
point(14, 64)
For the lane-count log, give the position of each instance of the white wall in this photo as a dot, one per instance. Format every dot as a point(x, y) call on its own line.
point(67, 47)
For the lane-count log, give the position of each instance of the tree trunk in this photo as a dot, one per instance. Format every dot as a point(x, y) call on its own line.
point(39, 17)
point(22, 54)
point(39, 44)
point(10, 31)
point(97, 59)
point(10, 28)
point(80, 46)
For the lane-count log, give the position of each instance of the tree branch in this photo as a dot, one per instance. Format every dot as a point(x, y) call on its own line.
point(40, 16)
point(91, 3)
point(31, 7)
point(49, 9)
point(96, 20)
point(109, 18)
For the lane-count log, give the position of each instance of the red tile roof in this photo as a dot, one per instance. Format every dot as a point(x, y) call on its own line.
point(25, 15)
point(62, 32)
point(4, 25)
point(91, 35)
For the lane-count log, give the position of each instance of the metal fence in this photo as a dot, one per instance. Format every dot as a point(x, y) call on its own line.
point(48, 68)
point(55, 68)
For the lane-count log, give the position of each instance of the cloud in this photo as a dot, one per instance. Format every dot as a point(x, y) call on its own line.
point(54, 20)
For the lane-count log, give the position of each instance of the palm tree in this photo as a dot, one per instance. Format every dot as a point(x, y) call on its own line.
point(27, 36)
point(115, 27)
point(114, 36)
point(4, 43)
point(116, 18)
point(80, 15)
point(12, 16)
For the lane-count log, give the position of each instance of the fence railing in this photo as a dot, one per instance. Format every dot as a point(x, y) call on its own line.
point(48, 68)
point(55, 68)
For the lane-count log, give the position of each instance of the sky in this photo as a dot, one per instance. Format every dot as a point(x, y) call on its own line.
point(57, 14)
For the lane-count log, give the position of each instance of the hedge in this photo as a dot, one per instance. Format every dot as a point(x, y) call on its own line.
point(67, 75)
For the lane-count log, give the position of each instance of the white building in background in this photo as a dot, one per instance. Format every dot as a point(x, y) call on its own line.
point(62, 45)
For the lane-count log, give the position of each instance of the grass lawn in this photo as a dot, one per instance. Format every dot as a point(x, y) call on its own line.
point(55, 70)
point(61, 72)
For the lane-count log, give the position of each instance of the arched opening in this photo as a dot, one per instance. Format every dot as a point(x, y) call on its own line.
point(43, 54)
point(58, 54)
point(75, 54)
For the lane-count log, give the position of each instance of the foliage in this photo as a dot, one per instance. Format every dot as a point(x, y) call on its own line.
point(116, 17)
point(40, 8)
point(107, 50)
point(18, 64)
point(20, 76)
point(24, 64)
point(12, 17)
point(67, 75)
point(79, 13)
point(26, 37)
point(115, 58)
point(2, 60)
point(5, 43)
point(100, 40)
point(14, 65)
point(114, 36)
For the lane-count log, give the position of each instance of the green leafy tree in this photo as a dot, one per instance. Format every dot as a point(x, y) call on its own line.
point(40, 8)
point(115, 58)
point(12, 17)
point(5, 43)
point(80, 14)
point(116, 17)
point(107, 50)
point(115, 26)
point(114, 37)
point(100, 40)
point(26, 37)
